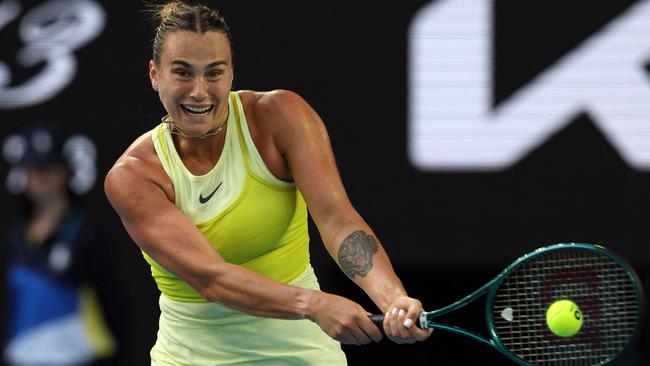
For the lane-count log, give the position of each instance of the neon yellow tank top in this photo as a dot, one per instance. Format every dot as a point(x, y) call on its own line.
point(250, 217)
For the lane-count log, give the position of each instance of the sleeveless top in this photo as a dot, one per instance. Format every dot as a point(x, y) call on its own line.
point(250, 217)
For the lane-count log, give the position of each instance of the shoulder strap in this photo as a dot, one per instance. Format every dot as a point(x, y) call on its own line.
point(236, 104)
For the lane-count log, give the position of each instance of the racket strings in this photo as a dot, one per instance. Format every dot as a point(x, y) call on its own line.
point(604, 291)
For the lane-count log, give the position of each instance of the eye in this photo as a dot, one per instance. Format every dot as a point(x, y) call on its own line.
point(181, 73)
point(213, 74)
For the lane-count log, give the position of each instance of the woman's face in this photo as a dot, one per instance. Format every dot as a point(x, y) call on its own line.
point(194, 78)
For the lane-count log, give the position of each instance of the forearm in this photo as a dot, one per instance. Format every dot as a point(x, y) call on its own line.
point(363, 259)
point(241, 289)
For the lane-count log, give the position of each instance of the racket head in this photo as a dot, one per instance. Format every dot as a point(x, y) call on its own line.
point(602, 284)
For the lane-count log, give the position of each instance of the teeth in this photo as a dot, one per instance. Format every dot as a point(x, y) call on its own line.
point(196, 109)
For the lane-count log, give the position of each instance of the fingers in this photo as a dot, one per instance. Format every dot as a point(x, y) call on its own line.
point(371, 330)
point(421, 334)
point(362, 332)
point(402, 320)
point(412, 318)
point(347, 322)
point(365, 331)
point(395, 328)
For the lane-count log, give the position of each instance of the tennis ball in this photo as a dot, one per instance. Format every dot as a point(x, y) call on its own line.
point(564, 318)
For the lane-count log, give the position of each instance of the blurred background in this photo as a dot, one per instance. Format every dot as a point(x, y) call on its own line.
point(467, 132)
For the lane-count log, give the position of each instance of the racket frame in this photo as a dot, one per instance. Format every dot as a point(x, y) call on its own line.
point(426, 320)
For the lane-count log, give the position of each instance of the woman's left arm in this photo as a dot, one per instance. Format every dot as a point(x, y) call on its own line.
point(300, 136)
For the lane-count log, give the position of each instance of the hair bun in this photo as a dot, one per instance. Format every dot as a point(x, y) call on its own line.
point(178, 15)
point(165, 10)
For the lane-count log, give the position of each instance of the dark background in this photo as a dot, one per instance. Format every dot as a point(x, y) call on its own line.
point(447, 233)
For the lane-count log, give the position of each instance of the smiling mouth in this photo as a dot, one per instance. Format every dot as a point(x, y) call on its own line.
point(197, 109)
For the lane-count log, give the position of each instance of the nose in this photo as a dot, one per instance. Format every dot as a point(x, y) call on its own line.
point(199, 89)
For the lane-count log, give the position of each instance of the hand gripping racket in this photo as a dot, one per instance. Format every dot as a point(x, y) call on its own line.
point(603, 285)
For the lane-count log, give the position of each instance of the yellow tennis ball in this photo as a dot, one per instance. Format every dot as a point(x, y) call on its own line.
point(564, 318)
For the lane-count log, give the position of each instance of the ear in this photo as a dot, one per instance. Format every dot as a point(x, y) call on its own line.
point(153, 74)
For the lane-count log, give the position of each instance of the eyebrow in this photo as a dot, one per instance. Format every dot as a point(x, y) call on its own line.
point(186, 64)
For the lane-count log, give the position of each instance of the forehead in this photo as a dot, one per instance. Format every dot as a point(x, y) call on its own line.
point(198, 47)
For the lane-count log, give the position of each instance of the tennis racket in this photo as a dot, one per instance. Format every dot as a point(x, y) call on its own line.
point(602, 284)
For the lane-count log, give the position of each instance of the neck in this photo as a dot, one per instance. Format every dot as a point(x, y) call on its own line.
point(177, 130)
point(199, 155)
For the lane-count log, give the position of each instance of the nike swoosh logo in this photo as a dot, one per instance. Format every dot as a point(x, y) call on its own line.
point(206, 199)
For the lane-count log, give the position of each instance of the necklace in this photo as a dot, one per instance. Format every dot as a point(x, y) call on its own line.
point(176, 130)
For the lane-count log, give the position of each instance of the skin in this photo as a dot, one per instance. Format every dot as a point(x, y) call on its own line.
point(196, 70)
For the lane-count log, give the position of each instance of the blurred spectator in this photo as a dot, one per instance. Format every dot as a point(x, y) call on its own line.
point(59, 275)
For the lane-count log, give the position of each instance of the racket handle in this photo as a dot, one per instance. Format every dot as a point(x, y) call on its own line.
point(378, 319)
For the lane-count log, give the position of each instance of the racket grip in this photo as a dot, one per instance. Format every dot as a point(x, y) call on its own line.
point(378, 319)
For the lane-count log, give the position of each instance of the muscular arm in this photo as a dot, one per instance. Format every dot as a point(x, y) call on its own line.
point(306, 147)
point(136, 189)
point(170, 238)
point(302, 140)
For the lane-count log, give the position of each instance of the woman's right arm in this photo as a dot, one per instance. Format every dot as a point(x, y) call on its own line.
point(135, 189)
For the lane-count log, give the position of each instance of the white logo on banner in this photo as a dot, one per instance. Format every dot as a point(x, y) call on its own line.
point(452, 124)
point(51, 32)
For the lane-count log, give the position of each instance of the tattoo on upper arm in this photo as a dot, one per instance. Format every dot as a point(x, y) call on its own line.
point(356, 252)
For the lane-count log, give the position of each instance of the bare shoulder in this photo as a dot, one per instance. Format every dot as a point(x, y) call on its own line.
point(276, 106)
point(278, 121)
point(280, 114)
point(138, 169)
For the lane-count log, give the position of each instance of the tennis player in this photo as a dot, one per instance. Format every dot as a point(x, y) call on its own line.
point(216, 197)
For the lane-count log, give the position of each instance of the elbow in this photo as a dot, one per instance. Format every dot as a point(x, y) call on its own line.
point(212, 284)
point(208, 287)
point(207, 291)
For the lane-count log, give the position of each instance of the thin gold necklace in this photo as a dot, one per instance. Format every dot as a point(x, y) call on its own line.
point(178, 131)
